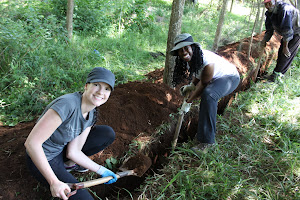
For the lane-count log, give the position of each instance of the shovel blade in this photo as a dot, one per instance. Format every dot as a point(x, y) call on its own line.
point(139, 163)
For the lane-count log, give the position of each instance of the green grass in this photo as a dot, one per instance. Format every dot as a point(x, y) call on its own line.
point(257, 155)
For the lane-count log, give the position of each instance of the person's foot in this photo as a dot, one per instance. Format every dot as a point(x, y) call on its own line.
point(273, 77)
point(76, 168)
point(202, 147)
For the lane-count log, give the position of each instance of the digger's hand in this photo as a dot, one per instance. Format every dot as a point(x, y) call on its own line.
point(186, 89)
point(104, 172)
point(286, 52)
point(60, 190)
point(185, 107)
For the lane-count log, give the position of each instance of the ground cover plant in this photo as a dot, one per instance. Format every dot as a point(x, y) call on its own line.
point(257, 156)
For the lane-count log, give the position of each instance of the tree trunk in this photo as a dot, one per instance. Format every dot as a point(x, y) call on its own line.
point(294, 3)
point(251, 11)
point(70, 11)
point(220, 25)
point(262, 19)
point(254, 25)
point(174, 30)
point(232, 2)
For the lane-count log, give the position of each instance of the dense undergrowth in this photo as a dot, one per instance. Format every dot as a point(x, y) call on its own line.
point(257, 155)
point(39, 63)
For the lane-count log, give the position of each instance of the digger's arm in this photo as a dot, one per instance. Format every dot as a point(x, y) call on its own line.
point(206, 77)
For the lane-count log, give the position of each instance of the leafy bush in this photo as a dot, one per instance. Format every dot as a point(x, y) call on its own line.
point(39, 63)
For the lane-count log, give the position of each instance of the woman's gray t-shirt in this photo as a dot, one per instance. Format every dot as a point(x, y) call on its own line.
point(73, 124)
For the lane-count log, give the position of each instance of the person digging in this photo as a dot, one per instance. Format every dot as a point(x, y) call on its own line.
point(66, 135)
point(284, 19)
point(212, 77)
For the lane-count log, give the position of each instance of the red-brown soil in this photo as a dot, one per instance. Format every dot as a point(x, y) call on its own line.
point(135, 110)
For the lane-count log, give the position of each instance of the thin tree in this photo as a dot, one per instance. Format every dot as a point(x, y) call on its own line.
point(262, 19)
point(254, 25)
point(294, 3)
point(174, 30)
point(70, 11)
point(251, 11)
point(220, 25)
point(232, 2)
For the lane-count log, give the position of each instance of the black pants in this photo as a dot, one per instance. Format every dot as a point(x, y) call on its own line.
point(99, 138)
point(283, 63)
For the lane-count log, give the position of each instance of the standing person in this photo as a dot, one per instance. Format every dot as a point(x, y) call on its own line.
point(66, 134)
point(284, 19)
point(213, 78)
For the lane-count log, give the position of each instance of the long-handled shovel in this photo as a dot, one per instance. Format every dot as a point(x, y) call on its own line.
point(178, 127)
point(140, 164)
point(98, 181)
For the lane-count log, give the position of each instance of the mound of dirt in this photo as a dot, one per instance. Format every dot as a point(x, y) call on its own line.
point(134, 111)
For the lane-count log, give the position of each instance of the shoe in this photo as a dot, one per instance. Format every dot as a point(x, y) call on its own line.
point(273, 77)
point(201, 147)
point(76, 168)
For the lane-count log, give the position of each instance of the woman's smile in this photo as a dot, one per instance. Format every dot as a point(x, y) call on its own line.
point(186, 53)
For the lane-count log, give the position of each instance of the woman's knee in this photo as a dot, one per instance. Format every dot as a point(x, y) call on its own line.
point(105, 131)
point(209, 95)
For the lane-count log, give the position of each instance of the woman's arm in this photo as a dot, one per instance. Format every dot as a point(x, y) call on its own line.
point(33, 144)
point(206, 77)
point(75, 154)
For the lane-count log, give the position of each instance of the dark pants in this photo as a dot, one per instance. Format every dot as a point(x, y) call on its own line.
point(209, 106)
point(99, 138)
point(283, 63)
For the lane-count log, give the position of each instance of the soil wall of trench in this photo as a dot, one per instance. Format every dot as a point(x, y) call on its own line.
point(137, 111)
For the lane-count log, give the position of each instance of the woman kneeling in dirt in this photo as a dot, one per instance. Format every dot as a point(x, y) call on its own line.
point(213, 78)
point(66, 134)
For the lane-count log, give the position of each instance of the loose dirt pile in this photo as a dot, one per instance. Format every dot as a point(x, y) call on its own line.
point(134, 111)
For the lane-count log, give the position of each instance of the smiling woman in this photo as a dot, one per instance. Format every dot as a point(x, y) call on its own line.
point(96, 94)
point(66, 134)
point(99, 84)
point(213, 78)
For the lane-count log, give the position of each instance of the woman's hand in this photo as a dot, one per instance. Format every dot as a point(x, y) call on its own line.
point(60, 190)
point(186, 89)
point(185, 107)
point(104, 172)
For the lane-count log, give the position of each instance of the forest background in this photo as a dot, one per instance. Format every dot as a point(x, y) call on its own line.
point(39, 63)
